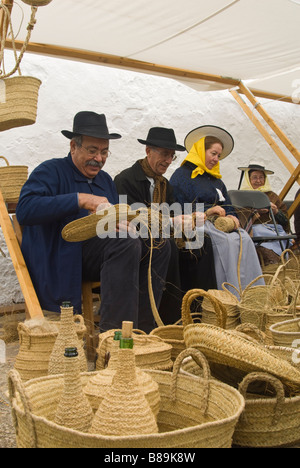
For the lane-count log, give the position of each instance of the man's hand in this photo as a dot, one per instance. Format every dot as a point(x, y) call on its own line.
point(216, 210)
point(236, 221)
point(92, 203)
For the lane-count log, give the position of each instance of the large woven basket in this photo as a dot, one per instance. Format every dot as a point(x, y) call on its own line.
point(268, 422)
point(21, 99)
point(35, 349)
point(151, 352)
point(195, 413)
point(229, 348)
point(12, 179)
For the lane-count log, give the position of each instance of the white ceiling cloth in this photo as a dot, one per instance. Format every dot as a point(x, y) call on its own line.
point(257, 41)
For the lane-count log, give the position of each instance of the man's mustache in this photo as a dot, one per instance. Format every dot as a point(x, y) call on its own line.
point(97, 164)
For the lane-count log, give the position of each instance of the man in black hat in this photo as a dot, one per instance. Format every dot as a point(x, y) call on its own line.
point(144, 183)
point(60, 191)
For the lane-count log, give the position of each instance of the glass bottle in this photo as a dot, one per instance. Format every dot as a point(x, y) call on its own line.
point(74, 410)
point(124, 410)
point(67, 338)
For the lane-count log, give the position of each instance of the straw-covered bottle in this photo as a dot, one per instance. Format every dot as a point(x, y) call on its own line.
point(74, 410)
point(125, 410)
point(66, 338)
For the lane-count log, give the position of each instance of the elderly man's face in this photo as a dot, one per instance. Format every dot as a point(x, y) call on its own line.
point(159, 159)
point(90, 157)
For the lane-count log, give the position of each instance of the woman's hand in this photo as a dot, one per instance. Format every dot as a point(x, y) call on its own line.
point(274, 208)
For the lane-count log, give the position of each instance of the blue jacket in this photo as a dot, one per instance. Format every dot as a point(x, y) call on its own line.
point(49, 201)
point(202, 189)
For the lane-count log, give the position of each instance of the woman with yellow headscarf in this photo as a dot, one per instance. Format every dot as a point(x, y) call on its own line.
point(256, 177)
point(199, 182)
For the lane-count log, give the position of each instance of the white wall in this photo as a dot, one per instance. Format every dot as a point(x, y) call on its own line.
point(133, 103)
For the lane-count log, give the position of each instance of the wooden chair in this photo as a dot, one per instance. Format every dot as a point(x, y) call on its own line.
point(12, 232)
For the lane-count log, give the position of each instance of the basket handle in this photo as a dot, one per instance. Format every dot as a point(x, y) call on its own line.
point(246, 327)
point(188, 299)
point(15, 385)
point(2, 157)
point(276, 384)
point(201, 360)
point(229, 292)
point(290, 252)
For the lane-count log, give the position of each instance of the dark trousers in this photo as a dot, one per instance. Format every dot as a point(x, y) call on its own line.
point(122, 265)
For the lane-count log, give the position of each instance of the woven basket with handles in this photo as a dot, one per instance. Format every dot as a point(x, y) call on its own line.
point(12, 179)
point(195, 413)
point(268, 422)
point(37, 3)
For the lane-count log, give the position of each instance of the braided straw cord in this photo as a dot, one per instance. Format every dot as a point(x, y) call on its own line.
point(124, 410)
point(74, 410)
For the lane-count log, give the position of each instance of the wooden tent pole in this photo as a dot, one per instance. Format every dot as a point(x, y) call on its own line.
point(270, 121)
point(264, 133)
point(32, 303)
point(294, 206)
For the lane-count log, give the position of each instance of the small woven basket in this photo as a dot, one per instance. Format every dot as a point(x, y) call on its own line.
point(21, 100)
point(35, 349)
point(172, 335)
point(229, 301)
point(286, 333)
point(195, 413)
point(12, 179)
point(151, 352)
point(268, 422)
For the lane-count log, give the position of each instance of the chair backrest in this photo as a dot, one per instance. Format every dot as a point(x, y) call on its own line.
point(249, 199)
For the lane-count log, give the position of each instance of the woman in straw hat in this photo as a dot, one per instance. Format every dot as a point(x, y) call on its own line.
point(256, 177)
point(198, 181)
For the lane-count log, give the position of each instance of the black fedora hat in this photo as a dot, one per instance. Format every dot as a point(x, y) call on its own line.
point(162, 138)
point(90, 124)
point(256, 167)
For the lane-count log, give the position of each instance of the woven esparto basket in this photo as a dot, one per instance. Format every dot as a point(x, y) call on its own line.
point(229, 301)
point(268, 422)
point(229, 348)
point(35, 350)
point(195, 413)
point(151, 352)
point(285, 333)
point(172, 335)
point(12, 179)
point(21, 99)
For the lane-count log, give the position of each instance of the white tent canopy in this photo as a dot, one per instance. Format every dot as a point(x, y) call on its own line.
point(207, 45)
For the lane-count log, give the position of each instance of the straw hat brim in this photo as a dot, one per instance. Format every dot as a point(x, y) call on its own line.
point(256, 168)
point(210, 130)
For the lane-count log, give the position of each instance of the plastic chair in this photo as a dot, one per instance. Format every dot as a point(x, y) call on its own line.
point(255, 201)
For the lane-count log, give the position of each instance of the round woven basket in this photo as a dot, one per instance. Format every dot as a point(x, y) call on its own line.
point(172, 335)
point(268, 422)
point(20, 104)
point(37, 3)
point(151, 352)
point(12, 179)
point(195, 413)
point(35, 349)
point(286, 333)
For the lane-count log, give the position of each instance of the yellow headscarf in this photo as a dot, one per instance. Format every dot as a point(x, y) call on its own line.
point(197, 157)
point(246, 185)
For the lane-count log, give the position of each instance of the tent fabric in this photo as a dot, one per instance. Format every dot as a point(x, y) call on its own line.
point(255, 40)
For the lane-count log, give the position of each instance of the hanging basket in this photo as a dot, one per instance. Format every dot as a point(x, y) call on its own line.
point(268, 422)
point(37, 3)
point(195, 413)
point(12, 179)
point(19, 106)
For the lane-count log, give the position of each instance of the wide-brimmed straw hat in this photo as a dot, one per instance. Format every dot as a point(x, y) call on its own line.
point(162, 138)
point(256, 167)
point(210, 130)
point(90, 124)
